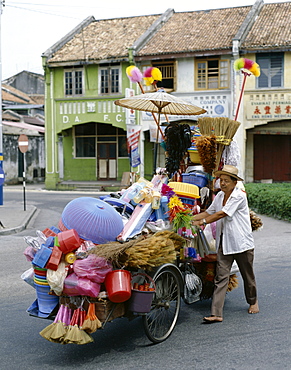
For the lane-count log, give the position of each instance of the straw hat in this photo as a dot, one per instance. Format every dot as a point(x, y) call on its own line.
point(230, 171)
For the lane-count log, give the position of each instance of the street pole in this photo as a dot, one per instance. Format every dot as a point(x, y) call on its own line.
point(1, 125)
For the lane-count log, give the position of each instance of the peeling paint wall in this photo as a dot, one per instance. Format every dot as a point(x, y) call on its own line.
point(34, 159)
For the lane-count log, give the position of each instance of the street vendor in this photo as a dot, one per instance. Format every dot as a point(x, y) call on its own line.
point(234, 241)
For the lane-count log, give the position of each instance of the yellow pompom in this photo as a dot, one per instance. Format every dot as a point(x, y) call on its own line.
point(148, 80)
point(175, 202)
point(157, 74)
point(255, 69)
point(129, 70)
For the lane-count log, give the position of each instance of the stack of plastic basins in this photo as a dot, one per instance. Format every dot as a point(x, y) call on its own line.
point(46, 302)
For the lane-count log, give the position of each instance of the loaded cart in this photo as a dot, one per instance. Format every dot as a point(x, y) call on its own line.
point(131, 254)
point(136, 253)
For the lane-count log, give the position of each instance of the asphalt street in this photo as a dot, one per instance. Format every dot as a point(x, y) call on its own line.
point(241, 342)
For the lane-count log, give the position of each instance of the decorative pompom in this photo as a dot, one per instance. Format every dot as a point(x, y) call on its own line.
point(248, 64)
point(134, 74)
point(148, 80)
point(255, 69)
point(152, 74)
point(238, 64)
point(157, 74)
point(148, 72)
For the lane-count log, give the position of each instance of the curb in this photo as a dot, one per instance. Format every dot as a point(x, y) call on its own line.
point(17, 229)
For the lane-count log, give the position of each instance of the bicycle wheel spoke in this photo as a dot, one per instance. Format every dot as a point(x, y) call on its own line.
point(160, 321)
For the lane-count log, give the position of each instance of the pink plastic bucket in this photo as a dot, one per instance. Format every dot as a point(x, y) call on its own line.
point(118, 285)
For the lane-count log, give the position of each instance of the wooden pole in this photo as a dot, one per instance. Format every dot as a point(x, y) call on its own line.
point(241, 93)
point(155, 118)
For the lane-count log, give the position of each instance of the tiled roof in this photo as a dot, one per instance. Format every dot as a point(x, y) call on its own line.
point(104, 39)
point(271, 29)
point(183, 33)
point(10, 94)
point(8, 116)
point(33, 120)
point(197, 31)
point(37, 98)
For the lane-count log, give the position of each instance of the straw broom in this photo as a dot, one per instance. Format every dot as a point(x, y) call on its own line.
point(205, 125)
point(223, 129)
point(227, 129)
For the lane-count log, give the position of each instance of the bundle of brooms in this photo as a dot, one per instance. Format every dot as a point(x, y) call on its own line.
point(216, 133)
point(142, 252)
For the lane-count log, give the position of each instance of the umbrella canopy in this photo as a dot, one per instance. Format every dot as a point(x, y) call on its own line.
point(160, 102)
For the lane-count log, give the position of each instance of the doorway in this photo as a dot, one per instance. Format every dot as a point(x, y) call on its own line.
point(106, 159)
point(272, 157)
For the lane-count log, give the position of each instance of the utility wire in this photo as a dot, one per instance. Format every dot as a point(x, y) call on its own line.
point(43, 12)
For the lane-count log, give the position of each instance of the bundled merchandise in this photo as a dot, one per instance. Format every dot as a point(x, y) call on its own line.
point(216, 134)
point(178, 140)
point(82, 271)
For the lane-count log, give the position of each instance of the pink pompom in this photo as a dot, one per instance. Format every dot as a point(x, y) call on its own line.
point(136, 75)
point(148, 72)
point(248, 63)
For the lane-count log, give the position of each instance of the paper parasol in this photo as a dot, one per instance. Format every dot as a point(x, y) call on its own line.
point(160, 102)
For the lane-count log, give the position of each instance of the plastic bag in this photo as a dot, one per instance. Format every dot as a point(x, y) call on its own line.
point(56, 278)
point(29, 253)
point(74, 285)
point(209, 237)
point(192, 286)
point(28, 276)
point(136, 222)
point(93, 268)
point(83, 250)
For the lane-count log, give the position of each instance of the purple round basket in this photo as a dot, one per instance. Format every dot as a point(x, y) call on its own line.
point(92, 219)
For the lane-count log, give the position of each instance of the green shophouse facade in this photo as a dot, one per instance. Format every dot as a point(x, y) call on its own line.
point(85, 131)
point(85, 72)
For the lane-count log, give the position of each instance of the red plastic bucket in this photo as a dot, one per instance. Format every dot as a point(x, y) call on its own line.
point(118, 285)
point(68, 240)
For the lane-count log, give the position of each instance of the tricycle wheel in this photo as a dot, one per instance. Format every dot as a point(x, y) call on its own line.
point(161, 320)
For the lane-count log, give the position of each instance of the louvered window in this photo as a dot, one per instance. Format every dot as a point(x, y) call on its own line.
point(272, 68)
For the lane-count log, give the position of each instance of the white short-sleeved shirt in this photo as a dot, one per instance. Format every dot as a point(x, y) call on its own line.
point(236, 226)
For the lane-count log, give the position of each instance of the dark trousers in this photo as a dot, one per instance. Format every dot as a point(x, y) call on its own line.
point(224, 262)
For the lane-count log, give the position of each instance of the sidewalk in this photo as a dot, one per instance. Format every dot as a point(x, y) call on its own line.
point(13, 217)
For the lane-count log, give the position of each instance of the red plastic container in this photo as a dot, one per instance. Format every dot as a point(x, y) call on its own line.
point(48, 232)
point(55, 259)
point(69, 241)
point(118, 285)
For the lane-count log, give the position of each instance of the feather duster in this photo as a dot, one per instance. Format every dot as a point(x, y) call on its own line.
point(151, 75)
point(134, 74)
point(250, 65)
